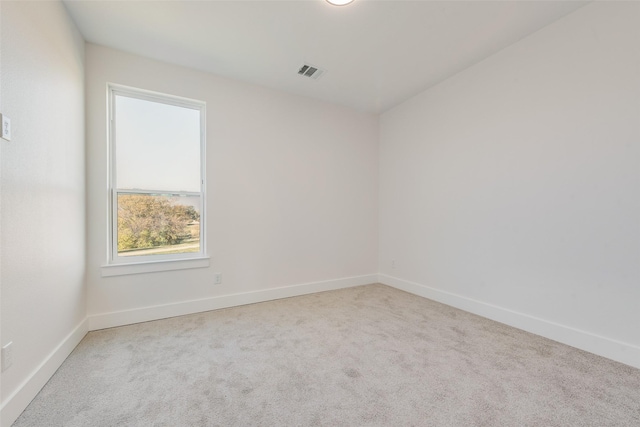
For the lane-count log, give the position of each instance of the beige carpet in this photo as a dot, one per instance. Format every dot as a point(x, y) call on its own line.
point(365, 356)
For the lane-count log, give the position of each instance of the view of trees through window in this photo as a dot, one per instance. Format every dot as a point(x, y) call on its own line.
point(157, 224)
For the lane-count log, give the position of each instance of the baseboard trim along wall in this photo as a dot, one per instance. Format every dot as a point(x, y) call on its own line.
point(13, 406)
point(622, 352)
point(120, 318)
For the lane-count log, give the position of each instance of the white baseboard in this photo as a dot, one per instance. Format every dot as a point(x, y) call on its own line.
point(31, 386)
point(145, 314)
point(622, 352)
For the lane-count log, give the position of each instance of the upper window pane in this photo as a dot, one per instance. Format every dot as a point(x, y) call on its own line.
point(157, 146)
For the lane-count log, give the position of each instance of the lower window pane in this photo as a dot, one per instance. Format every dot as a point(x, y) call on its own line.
point(158, 224)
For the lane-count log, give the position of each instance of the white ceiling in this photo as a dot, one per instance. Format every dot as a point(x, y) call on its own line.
point(376, 53)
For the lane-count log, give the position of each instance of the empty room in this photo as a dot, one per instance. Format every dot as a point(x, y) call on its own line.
point(320, 213)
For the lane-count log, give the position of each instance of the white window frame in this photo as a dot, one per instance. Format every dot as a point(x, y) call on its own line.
point(119, 265)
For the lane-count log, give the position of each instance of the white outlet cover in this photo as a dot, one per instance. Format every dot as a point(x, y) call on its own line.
point(6, 127)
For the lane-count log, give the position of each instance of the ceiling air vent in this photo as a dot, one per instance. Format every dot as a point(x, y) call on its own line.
point(310, 71)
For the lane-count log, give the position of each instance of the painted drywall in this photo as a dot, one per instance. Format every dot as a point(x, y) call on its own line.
point(515, 184)
point(291, 182)
point(43, 187)
point(1, 207)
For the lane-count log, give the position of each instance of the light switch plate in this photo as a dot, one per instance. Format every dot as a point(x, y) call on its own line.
point(7, 356)
point(6, 127)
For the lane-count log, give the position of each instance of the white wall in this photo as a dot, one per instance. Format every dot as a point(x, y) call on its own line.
point(513, 188)
point(1, 341)
point(292, 193)
point(43, 194)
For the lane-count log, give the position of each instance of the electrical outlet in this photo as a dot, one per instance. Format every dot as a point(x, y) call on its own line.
point(218, 278)
point(393, 263)
point(6, 127)
point(7, 356)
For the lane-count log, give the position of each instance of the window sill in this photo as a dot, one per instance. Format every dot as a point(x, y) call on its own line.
point(153, 266)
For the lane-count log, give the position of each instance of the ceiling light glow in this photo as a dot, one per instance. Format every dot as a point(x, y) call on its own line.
point(339, 2)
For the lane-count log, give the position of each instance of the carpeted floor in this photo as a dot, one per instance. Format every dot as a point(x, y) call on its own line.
point(365, 356)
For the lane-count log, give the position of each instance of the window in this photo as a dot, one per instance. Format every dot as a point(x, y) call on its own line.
point(157, 184)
